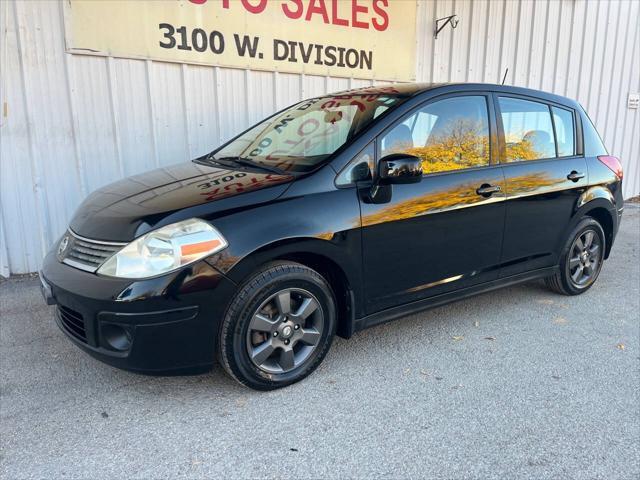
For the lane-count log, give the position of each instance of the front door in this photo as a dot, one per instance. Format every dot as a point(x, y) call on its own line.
point(444, 233)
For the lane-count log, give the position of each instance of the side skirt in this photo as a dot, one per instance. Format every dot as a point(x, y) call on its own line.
point(417, 306)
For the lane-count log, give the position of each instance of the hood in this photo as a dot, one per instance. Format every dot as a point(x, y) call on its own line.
point(131, 207)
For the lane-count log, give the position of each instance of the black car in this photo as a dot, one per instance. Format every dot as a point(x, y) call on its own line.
point(336, 214)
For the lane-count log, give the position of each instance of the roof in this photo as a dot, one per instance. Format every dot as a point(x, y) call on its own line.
point(414, 89)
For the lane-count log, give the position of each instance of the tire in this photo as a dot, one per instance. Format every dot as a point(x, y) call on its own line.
point(577, 271)
point(268, 342)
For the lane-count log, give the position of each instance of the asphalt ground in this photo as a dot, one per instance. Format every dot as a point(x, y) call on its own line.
point(518, 383)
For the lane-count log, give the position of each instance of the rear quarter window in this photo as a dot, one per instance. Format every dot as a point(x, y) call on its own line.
point(565, 131)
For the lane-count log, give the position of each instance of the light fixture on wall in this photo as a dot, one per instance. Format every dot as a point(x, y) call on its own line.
point(443, 22)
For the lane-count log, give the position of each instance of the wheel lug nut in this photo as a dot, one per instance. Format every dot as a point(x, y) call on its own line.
point(286, 342)
point(296, 327)
point(275, 334)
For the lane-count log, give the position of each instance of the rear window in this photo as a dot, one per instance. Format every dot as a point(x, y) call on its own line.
point(593, 145)
point(528, 130)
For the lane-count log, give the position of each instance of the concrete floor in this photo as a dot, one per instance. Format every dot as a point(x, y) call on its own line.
point(518, 383)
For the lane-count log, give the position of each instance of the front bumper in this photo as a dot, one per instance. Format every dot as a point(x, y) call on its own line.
point(162, 325)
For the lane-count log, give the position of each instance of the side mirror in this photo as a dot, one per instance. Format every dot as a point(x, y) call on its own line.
point(400, 168)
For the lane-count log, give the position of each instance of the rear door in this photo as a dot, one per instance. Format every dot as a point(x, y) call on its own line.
point(444, 233)
point(545, 173)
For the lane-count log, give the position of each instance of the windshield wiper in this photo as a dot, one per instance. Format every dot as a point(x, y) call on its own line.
point(246, 162)
point(250, 163)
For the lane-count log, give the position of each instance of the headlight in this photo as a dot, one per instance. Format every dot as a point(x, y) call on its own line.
point(164, 250)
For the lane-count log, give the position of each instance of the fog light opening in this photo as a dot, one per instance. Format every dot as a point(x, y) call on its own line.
point(116, 336)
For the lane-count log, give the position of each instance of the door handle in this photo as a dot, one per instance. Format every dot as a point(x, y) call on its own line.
point(487, 190)
point(575, 176)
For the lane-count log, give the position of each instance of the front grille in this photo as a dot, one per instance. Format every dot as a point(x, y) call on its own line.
point(87, 254)
point(73, 323)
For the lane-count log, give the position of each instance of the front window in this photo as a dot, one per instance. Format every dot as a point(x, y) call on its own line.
point(450, 134)
point(302, 137)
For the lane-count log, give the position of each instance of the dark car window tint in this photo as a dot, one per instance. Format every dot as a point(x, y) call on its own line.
point(449, 134)
point(380, 110)
point(360, 169)
point(563, 121)
point(528, 131)
point(303, 136)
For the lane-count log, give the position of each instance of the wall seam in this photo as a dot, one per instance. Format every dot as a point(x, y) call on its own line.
point(601, 73)
point(152, 113)
point(615, 48)
point(529, 57)
point(42, 213)
point(501, 74)
point(515, 45)
point(114, 114)
point(78, 160)
point(635, 33)
point(582, 49)
point(185, 110)
point(544, 47)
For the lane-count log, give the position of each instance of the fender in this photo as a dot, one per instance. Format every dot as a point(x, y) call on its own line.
point(595, 198)
point(238, 269)
point(324, 234)
point(324, 256)
point(597, 192)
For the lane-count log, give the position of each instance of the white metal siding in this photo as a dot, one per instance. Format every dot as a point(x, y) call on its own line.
point(73, 123)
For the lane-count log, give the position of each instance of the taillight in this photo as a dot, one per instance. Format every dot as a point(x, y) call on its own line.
point(613, 163)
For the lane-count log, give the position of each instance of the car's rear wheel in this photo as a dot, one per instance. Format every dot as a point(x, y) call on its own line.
point(581, 259)
point(278, 327)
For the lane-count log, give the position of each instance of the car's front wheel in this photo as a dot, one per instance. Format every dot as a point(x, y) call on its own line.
point(581, 259)
point(278, 327)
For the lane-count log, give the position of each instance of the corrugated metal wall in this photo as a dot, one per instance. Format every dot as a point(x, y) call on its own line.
point(73, 123)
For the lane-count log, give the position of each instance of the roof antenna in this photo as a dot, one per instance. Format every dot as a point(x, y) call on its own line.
point(505, 75)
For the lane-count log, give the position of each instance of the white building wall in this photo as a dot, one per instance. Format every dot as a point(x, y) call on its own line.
point(70, 124)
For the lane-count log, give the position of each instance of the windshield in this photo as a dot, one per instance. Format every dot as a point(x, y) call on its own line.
point(303, 136)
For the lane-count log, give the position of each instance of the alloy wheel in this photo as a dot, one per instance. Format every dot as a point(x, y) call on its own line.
point(285, 330)
point(585, 257)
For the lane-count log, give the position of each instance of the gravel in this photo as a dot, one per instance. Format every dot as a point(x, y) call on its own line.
point(518, 383)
